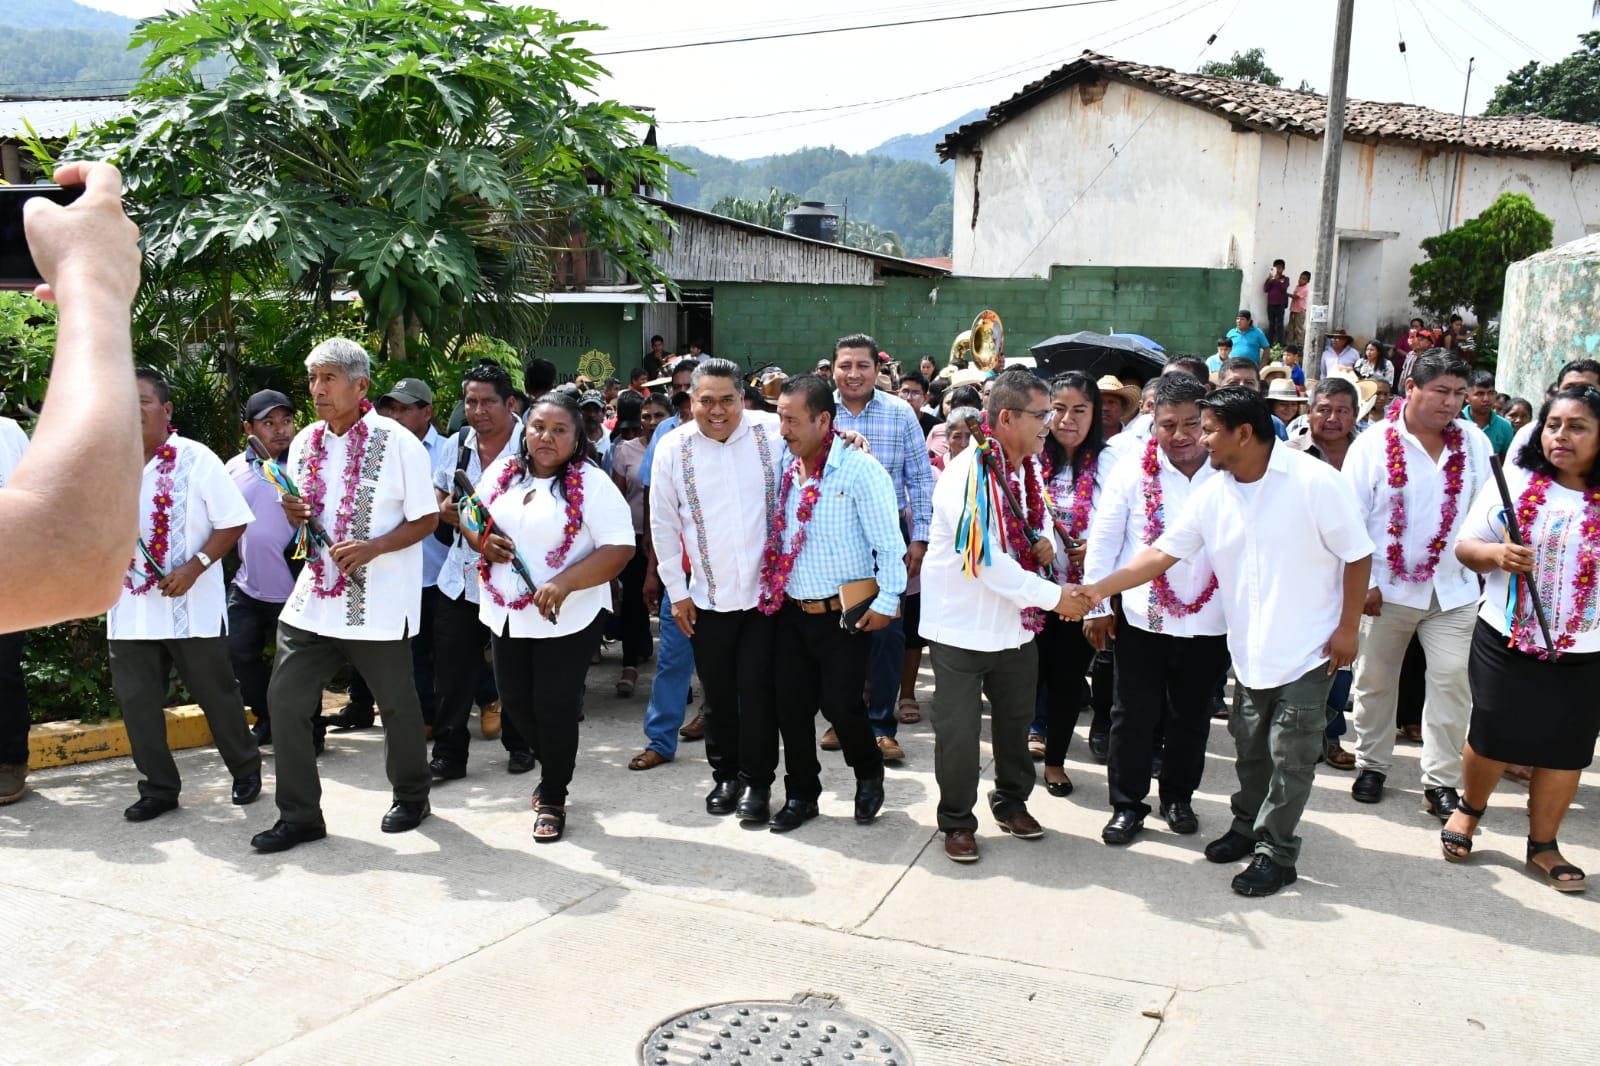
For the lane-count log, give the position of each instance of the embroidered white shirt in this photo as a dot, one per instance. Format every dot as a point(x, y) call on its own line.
point(1118, 532)
point(535, 518)
point(13, 442)
point(459, 575)
point(383, 600)
point(1281, 608)
point(1366, 466)
point(716, 498)
point(982, 613)
point(204, 499)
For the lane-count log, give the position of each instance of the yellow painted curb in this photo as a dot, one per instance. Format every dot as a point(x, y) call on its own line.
point(67, 743)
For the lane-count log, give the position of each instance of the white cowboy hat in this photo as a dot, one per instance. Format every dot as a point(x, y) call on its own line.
point(1282, 391)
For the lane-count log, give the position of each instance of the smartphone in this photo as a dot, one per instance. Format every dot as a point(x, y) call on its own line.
point(16, 261)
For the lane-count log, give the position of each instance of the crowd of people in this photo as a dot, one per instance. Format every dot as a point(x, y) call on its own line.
point(1051, 545)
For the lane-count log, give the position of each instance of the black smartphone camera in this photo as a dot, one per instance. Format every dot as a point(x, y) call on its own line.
point(17, 270)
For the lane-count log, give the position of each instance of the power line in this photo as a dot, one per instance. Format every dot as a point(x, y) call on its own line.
point(1513, 38)
point(852, 29)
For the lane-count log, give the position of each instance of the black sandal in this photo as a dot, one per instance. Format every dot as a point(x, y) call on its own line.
point(1060, 789)
point(1553, 877)
point(1449, 838)
point(549, 818)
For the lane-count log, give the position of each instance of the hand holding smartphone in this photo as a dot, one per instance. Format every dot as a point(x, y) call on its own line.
point(17, 268)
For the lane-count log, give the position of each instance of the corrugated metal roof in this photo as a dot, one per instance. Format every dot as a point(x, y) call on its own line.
point(54, 119)
point(1267, 108)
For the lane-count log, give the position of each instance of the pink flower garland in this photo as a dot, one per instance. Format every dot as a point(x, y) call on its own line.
point(1077, 525)
point(316, 489)
point(572, 489)
point(1018, 537)
point(1533, 498)
point(777, 565)
point(160, 520)
point(1154, 523)
point(1395, 455)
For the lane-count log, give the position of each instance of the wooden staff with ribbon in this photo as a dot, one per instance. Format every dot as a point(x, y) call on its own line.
point(273, 473)
point(476, 519)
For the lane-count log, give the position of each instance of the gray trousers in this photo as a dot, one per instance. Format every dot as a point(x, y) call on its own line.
point(139, 670)
point(1278, 734)
point(962, 678)
point(303, 664)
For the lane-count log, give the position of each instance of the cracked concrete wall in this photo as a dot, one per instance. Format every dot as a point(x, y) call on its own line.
point(1551, 315)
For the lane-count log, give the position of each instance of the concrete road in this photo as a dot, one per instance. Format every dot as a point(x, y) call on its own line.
point(172, 941)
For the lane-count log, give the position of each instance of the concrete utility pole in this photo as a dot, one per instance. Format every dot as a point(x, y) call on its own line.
point(1319, 295)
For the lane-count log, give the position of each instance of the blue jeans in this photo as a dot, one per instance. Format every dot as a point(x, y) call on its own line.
point(1338, 699)
point(669, 692)
point(888, 659)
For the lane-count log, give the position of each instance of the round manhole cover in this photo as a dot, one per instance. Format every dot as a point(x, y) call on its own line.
point(811, 1031)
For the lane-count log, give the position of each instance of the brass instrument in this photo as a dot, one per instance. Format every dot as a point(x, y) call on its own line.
point(988, 338)
point(961, 348)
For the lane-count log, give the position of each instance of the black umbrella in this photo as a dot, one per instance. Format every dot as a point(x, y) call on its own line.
point(1097, 355)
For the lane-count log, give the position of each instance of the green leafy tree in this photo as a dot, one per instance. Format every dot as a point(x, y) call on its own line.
point(1568, 89)
point(431, 154)
point(1466, 266)
point(1249, 65)
point(768, 212)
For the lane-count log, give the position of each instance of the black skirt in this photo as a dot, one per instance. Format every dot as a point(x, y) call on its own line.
point(1530, 711)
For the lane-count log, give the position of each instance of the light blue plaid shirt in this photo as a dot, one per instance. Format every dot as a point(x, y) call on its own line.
point(895, 433)
point(855, 518)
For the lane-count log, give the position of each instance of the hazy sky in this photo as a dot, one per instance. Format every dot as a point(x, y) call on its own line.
point(949, 68)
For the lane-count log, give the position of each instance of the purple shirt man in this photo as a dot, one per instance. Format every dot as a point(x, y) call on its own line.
point(263, 571)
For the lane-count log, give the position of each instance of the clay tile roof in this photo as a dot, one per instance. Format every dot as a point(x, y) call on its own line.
point(1278, 110)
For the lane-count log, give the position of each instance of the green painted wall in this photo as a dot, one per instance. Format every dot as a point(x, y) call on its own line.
point(573, 330)
point(794, 325)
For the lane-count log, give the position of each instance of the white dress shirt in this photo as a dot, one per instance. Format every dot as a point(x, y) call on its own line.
point(715, 499)
point(204, 499)
point(1130, 441)
point(383, 600)
point(981, 613)
point(1366, 466)
point(535, 518)
point(1557, 539)
point(1118, 531)
point(1281, 602)
point(13, 442)
point(459, 574)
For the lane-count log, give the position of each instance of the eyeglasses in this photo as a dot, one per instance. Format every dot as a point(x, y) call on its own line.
point(1048, 414)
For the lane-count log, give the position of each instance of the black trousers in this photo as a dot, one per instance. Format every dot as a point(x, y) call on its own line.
point(733, 653)
point(14, 717)
point(1164, 686)
point(635, 617)
point(1413, 686)
point(1275, 313)
point(252, 625)
point(820, 668)
point(1063, 661)
point(459, 639)
point(541, 691)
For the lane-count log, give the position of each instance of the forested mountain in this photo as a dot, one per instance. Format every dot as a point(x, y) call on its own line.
point(59, 48)
point(910, 198)
point(920, 146)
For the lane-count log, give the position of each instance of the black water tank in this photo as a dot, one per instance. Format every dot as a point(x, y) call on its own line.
point(813, 219)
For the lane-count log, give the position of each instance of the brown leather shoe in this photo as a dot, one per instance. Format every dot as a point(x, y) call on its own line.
point(1021, 825)
point(489, 719)
point(1036, 745)
point(648, 759)
point(892, 752)
point(696, 729)
point(829, 741)
point(960, 845)
point(13, 782)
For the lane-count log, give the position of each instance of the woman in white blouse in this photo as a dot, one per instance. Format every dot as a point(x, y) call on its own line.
point(1532, 705)
point(572, 528)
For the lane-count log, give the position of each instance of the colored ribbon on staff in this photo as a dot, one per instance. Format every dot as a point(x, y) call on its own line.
point(980, 502)
point(272, 472)
point(150, 560)
point(475, 519)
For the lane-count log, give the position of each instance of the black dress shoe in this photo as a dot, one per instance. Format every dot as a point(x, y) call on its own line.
point(755, 805)
point(723, 798)
point(1155, 765)
point(405, 814)
point(1125, 824)
point(869, 799)
point(1442, 802)
point(262, 731)
point(1263, 877)
point(1230, 847)
point(794, 814)
point(1099, 745)
point(1368, 787)
point(445, 770)
point(520, 762)
point(247, 789)
point(285, 835)
point(351, 717)
point(148, 807)
point(1180, 817)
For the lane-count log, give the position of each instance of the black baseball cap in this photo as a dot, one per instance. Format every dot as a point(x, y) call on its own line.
point(263, 403)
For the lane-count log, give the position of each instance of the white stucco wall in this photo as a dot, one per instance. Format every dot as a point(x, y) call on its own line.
point(1180, 193)
point(1189, 191)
